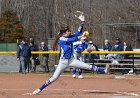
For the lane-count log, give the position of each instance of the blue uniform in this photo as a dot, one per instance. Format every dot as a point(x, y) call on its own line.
point(66, 45)
point(67, 60)
point(79, 47)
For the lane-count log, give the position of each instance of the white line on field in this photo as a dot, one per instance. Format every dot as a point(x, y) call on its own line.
point(83, 90)
point(108, 77)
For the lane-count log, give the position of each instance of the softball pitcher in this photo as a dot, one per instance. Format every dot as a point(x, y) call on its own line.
point(65, 42)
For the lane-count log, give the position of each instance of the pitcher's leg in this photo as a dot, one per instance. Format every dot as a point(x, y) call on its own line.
point(78, 64)
point(60, 68)
point(82, 65)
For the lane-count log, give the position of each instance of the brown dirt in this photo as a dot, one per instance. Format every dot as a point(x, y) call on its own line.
point(94, 86)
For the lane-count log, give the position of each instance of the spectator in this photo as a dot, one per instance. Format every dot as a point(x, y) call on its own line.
point(117, 47)
point(18, 46)
point(24, 54)
point(34, 57)
point(95, 56)
point(44, 57)
point(93, 47)
point(126, 47)
point(107, 46)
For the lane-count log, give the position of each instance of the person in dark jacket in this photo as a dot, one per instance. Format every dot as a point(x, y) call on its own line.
point(117, 47)
point(24, 54)
point(18, 46)
point(44, 57)
point(107, 46)
point(34, 57)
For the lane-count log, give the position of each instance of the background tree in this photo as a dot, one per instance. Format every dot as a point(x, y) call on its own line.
point(10, 28)
point(44, 17)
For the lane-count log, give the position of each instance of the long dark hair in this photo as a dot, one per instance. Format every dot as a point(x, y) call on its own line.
point(62, 30)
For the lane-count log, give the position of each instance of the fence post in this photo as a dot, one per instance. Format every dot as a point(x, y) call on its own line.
point(133, 63)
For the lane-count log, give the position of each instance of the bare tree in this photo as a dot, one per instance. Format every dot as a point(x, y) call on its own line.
point(44, 17)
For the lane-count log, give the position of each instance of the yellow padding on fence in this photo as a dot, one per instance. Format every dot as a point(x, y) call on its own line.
point(94, 52)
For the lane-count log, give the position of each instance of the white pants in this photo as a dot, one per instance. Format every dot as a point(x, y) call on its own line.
point(65, 63)
point(77, 56)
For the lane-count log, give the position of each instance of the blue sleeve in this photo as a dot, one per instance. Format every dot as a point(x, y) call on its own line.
point(73, 39)
point(76, 34)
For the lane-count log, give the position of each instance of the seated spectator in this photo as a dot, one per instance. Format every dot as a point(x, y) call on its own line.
point(95, 56)
point(117, 47)
point(93, 47)
point(126, 47)
point(107, 46)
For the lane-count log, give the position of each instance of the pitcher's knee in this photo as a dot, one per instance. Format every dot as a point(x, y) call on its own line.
point(53, 78)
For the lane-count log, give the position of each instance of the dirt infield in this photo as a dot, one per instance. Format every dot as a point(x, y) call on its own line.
point(95, 86)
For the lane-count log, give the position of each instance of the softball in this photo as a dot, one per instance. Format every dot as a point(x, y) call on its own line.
point(86, 33)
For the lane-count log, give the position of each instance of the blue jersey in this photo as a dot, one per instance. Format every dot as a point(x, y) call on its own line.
point(79, 46)
point(66, 45)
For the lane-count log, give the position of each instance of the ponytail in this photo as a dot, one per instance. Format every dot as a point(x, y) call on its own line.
point(55, 42)
point(63, 29)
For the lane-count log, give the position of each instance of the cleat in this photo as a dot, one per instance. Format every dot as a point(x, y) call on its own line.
point(36, 91)
point(80, 77)
point(107, 69)
point(74, 76)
